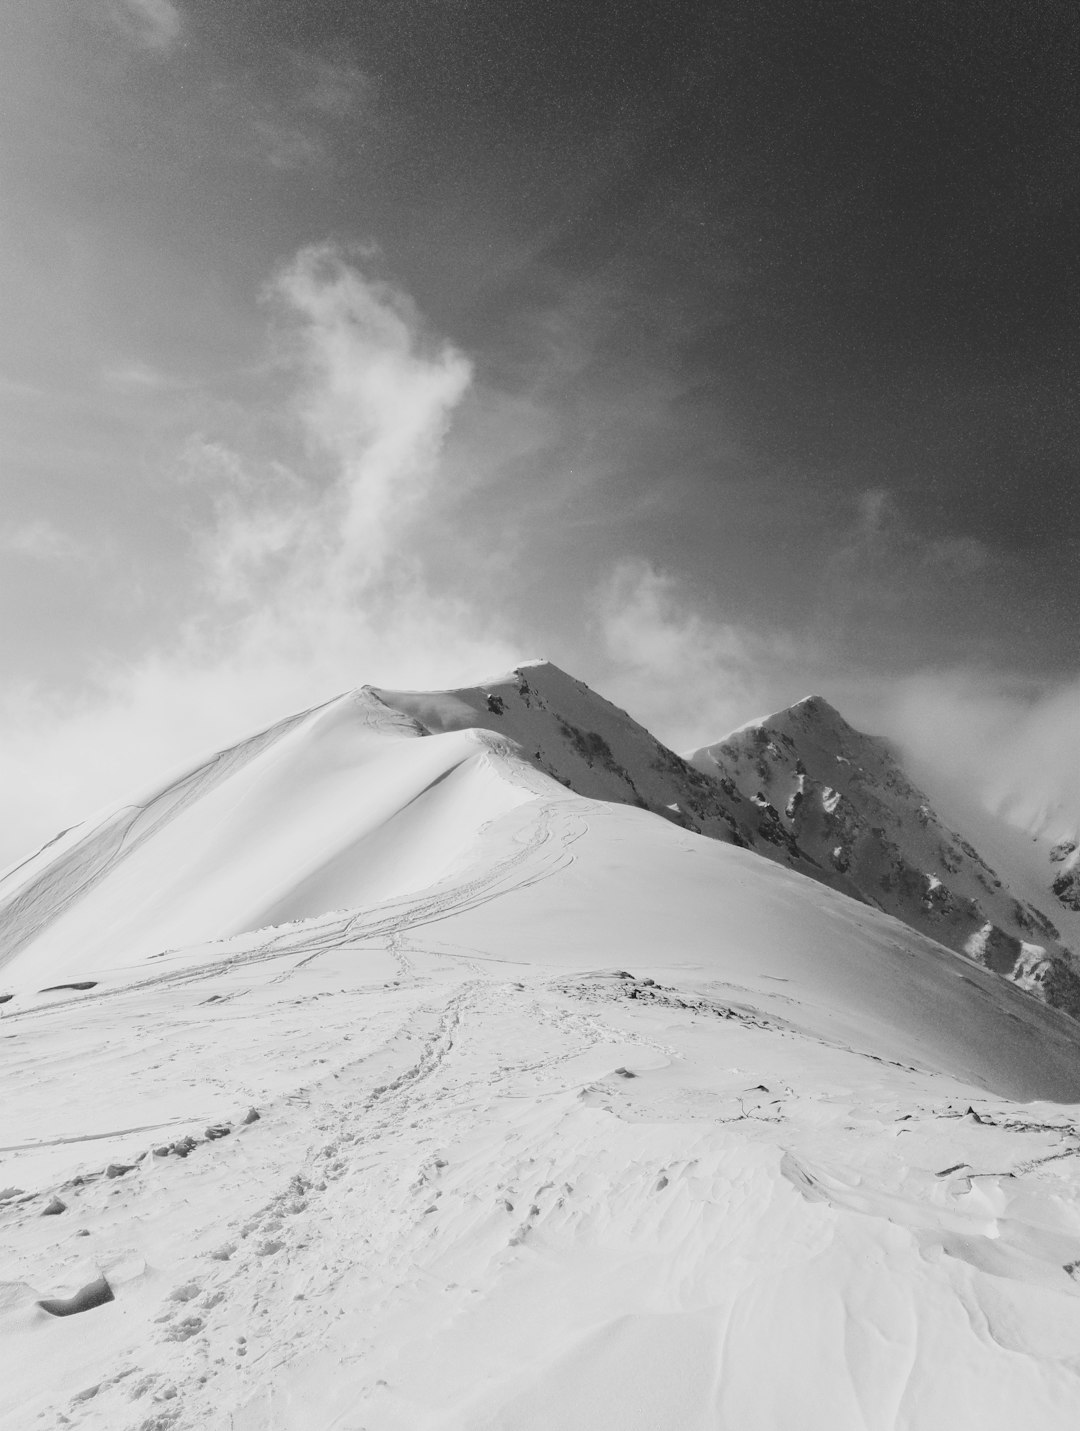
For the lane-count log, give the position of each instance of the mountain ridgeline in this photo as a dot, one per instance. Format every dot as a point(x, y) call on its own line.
point(804, 789)
point(379, 794)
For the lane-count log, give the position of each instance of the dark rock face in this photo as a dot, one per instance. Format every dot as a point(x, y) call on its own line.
point(1067, 888)
point(849, 809)
point(585, 743)
point(94, 1294)
point(802, 788)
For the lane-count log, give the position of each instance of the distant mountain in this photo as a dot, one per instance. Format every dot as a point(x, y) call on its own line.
point(405, 1037)
point(364, 1074)
point(595, 749)
point(583, 741)
point(844, 803)
point(378, 794)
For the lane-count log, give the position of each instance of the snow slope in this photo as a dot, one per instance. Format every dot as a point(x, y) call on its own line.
point(569, 732)
point(844, 802)
point(1040, 864)
point(568, 1117)
point(333, 809)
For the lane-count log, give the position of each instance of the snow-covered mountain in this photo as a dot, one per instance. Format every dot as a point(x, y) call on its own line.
point(843, 801)
point(589, 745)
point(802, 788)
point(371, 1074)
point(1065, 854)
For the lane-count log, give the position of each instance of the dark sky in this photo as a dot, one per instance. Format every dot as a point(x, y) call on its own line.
point(840, 237)
point(730, 344)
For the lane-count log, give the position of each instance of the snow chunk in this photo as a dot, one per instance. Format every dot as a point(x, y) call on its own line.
point(975, 944)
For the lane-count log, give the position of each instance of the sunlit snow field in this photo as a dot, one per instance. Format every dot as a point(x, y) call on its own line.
point(567, 1118)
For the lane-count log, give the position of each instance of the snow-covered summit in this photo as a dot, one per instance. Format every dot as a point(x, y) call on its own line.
point(580, 739)
point(330, 809)
point(843, 801)
point(393, 1082)
point(378, 791)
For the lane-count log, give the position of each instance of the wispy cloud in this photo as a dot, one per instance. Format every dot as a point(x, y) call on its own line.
point(1012, 745)
point(881, 561)
point(311, 578)
point(154, 24)
point(281, 143)
point(13, 388)
point(332, 87)
point(138, 378)
point(687, 673)
point(295, 124)
point(39, 540)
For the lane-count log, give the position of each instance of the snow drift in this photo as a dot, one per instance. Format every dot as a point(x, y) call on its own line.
point(422, 1076)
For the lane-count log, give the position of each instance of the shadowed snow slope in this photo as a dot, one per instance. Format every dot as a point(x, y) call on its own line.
point(843, 800)
point(569, 732)
point(567, 1116)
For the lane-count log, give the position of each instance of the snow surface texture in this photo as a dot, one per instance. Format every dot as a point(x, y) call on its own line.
point(564, 1117)
point(842, 801)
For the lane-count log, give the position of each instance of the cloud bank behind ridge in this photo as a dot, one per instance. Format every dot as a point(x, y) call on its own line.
point(308, 581)
point(341, 562)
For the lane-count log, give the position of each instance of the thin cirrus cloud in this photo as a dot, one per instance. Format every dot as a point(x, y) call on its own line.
point(333, 88)
point(153, 24)
point(686, 673)
point(309, 579)
point(315, 103)
point(881, 563)
point(139, 378)
point(40, 541)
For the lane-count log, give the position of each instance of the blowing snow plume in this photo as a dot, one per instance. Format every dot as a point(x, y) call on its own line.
point(1018, 752)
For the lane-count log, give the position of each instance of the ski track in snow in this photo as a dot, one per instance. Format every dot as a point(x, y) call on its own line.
point(362, 1221)
point(489, 1193)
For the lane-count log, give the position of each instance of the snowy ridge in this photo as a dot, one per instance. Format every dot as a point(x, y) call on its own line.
point(398, 1085)
point(842, 800)
point(328, 810)
point(577, 737)
point(583, 741)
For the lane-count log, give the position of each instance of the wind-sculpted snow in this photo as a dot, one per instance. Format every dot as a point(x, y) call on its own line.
point(385, 1081)
point(842, 800)
point(614, 1127)
point(327, 811)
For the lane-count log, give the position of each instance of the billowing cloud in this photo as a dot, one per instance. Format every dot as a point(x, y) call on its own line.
point(1008, 745)
point(310, 580)
point(376, 398)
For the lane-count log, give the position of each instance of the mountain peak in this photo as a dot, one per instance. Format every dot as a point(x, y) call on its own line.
point(812, 709)
point(814, 705)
